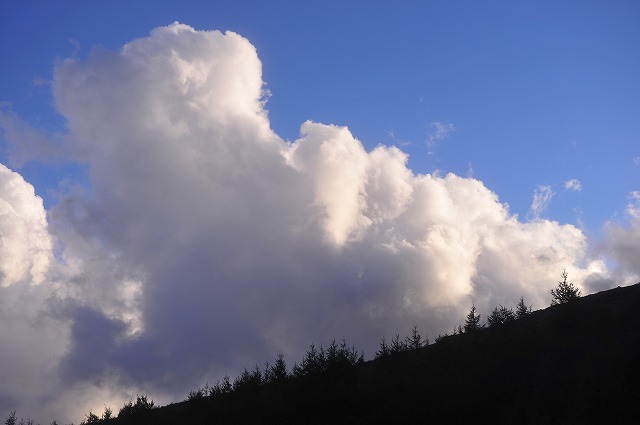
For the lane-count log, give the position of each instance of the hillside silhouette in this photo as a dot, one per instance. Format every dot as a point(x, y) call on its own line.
point(571, 363)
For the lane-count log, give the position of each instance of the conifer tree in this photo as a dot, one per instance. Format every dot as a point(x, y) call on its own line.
point(11, 419)
point(472, 322)
point(414, 341)
point(522, 309)
point(384, 349)
point(268, 372)
point(257, 378)
point(500, 315)
point(397, 346)
point(108, 413)
point(242, 381)
point(92, 418)
point(279, 369)
point(565, 291)
point(312, 363)
point(332, 356)
point(226, 386)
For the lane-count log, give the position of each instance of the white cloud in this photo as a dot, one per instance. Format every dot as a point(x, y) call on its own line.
point(633, 207)
point(636, 160)
point(442, 131)
point(336, 164)
point(25, 247)
point(31, 343)
point(207, 243)
point(573, 184)
point(622, 242)
point(541, 199)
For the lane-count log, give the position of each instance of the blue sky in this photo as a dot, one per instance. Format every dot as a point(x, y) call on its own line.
point(162, 226)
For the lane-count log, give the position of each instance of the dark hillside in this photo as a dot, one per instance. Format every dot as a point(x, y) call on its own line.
point(574, 363)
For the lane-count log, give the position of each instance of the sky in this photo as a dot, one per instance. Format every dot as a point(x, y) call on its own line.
point(188, 189)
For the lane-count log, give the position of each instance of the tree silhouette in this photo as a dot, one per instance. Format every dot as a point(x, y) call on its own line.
point(522, 309)
point(500, 315)
point(226, 386)
point(397, 346)
point(108, 413)
point(279, 369)
point(384, 349)
point(143, 404)
point(565, 291)
point(248, 379)
point(415, 341)
point(332, 356)
point(472, 322)
point(257, 378)
point(197, 394)
point(11, 419)
point(219, 388)
point(92, 418)
point(312, 363)
point(440, 337)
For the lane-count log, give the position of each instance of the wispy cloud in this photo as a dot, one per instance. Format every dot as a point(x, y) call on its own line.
point(636, 160)
point(38, 81)
point(573, 184)
point(470, 170)
point(541, 198)
point(633, 208)
point(441, 132)
point(396, 140)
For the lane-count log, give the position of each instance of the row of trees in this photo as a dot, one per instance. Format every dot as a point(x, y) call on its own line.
point(129, 411)
point(411, 342)
point(564, 293)
point(247, 379)
point(335, 359)
point(498, 316)
point(12, 420)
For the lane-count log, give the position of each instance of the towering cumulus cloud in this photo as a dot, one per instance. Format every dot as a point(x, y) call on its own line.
point(25, 247)
point(206, 243)
point(29, 345)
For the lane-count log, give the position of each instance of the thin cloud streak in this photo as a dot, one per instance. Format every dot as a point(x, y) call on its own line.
point(442, 131)
point(541, 200)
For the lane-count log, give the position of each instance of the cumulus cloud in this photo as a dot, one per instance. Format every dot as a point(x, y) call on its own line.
point(541, 199)
point(207, 243)
point(25, 247)
point(573, 184)
point(622, 242)
point(31, 343)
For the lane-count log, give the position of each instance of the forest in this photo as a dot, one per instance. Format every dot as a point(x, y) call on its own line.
point(573, 362)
